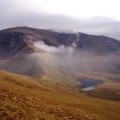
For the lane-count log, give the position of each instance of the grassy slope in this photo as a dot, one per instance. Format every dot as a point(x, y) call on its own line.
point(22, 98)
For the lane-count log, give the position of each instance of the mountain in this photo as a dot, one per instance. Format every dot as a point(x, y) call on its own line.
point(63, 58)
point(17, 39)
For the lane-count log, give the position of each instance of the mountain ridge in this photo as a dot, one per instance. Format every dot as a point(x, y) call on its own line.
point(27, 36)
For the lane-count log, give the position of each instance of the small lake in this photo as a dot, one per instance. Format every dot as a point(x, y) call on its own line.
point(88, 84)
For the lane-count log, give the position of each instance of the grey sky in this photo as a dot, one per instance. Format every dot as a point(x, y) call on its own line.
point(33, 14)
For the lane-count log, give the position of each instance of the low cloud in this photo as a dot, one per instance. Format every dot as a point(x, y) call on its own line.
point(97, 26)
point(11, 15)
point(41, 46)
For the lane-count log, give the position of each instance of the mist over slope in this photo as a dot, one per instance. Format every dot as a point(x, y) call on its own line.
point(75, 49)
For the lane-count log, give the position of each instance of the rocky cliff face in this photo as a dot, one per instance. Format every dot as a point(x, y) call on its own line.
point(100, 44)
point(11, 43)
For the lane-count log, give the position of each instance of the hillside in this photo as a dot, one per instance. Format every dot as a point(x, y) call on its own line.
point(24, 98)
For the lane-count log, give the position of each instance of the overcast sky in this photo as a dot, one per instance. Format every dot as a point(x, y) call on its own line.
point(89, 16)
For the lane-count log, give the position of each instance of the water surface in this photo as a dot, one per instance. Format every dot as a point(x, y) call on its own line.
point(88, 84)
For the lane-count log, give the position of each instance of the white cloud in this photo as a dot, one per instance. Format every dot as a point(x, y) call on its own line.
point(75, 8)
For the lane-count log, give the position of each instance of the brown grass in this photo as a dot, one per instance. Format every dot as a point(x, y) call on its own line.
point(24, 98)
